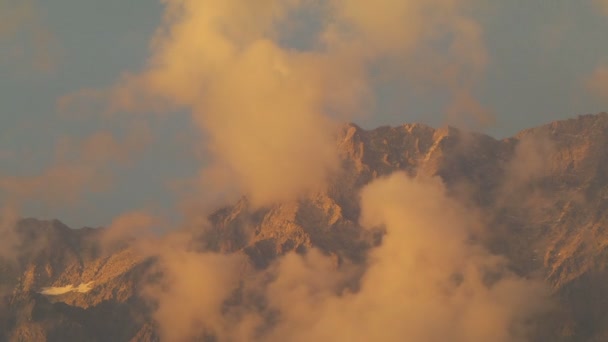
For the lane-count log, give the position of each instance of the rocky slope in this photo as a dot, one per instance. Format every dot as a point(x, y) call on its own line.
point(543, 194)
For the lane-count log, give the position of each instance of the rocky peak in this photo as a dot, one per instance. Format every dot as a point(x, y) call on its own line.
point(543, 194)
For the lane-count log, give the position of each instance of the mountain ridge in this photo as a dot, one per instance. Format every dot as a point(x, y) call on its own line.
point(543, 192)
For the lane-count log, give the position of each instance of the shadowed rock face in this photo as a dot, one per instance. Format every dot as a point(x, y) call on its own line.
point(543, 195)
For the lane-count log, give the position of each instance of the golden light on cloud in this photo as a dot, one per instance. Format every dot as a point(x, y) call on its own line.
point(427, 281)
point(269, 111)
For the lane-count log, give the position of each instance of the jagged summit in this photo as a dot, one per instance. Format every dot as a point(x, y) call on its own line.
point(543, 195)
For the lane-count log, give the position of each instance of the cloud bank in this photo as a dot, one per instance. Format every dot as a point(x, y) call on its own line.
point(426, 282)
point(429, 280)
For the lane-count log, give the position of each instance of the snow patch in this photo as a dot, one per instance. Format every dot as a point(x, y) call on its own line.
point(56, 291)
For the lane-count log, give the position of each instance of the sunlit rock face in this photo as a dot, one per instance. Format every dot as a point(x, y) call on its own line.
point(541, 198)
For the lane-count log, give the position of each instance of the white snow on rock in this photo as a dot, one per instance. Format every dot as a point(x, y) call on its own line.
point(56, 291)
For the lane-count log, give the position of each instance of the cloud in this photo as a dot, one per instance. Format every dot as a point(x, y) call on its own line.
point(260, 105)
point(128, 228)
point(57, 291)
point(268, 112)
point(267, 109)
point(78, 167)
point(530, 162)
point(190, 299)
point(465, 109)
point(597, 82)
point(427, 281)
point(431, 44)
point(25, 37)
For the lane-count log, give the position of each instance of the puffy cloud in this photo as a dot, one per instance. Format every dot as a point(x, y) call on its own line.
point(191, 296)
point(268, 112)
point(268, 109)
point(429, 280)
point(260, 105)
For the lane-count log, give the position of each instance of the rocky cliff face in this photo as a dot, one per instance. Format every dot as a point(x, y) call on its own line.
point(51, 255)
point(543, 195)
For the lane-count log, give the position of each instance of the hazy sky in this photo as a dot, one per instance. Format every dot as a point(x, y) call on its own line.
point(544, 62)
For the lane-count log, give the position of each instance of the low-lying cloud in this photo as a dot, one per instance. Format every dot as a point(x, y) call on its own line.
point(426, 282)
point(429, 280)
point(531, 162)
point(127, 228)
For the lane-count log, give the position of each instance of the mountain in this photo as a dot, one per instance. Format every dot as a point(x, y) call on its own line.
point(542, 194)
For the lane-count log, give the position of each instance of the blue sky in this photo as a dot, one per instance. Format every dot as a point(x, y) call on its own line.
point(540, 54)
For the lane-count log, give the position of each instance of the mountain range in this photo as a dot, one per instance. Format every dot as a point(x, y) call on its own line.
point(540, 199)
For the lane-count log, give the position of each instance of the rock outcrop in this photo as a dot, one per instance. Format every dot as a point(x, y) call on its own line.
point(543, 195)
